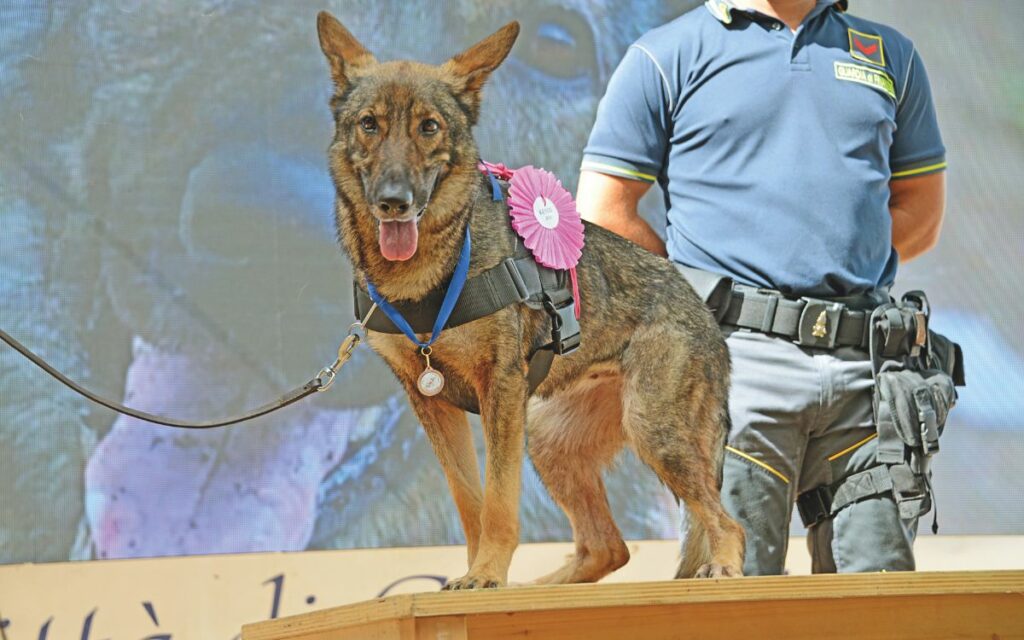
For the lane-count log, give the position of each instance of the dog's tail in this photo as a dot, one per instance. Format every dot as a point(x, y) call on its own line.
point(696, 550)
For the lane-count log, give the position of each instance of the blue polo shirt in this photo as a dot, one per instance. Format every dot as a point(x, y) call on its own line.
point(774, 149)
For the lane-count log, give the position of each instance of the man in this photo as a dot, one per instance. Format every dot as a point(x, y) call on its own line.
point(799, 153)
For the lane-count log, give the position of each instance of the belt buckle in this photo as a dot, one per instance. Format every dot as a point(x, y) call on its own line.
point(819, 323)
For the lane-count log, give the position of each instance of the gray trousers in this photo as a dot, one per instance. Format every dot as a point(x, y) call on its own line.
point(802, 418)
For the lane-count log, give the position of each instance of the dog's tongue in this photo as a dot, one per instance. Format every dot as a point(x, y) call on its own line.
point(398, 239)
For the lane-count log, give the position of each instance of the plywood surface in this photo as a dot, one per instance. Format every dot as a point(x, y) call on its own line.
point(911, 604)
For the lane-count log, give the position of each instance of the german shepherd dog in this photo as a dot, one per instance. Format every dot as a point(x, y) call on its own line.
point(652, 370)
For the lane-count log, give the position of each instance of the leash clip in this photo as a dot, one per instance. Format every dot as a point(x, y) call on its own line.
point(356, 332)
point(348, 345)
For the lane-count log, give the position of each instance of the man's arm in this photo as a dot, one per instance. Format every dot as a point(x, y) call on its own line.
point(917, 206)
point(611, 202)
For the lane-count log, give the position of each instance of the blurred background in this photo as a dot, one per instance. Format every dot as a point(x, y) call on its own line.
point(166, 238)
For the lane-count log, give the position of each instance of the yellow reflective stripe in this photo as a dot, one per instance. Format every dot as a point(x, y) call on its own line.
point(590, 164)
point(852, 447)
point(914, 172)
point(758, 463)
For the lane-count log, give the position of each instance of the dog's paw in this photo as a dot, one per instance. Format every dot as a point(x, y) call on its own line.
point(713, 570)
point(471, 581)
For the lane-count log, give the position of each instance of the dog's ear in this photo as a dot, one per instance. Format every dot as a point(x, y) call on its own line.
point(468, 71)
point(342, 49)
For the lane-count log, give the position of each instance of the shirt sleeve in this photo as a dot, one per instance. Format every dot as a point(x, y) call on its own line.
point(631, 131)
point(917, 145)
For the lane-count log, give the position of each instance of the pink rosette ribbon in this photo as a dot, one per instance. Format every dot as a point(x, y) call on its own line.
point(545, 217)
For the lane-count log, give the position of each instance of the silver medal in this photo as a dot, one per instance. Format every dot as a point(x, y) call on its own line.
point(431, 381)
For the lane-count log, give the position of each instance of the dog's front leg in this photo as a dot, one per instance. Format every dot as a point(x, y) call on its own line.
point(449, 433)
point(503, 413)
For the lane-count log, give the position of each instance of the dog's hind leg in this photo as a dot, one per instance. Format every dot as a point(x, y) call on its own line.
point(572, 437)
point(675, 405)
point(449, 433)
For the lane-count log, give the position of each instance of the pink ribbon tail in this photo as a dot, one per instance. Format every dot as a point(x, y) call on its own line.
point(575, 291)
point(499, 170)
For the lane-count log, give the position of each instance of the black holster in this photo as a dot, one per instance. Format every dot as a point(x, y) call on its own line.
point(916, 374)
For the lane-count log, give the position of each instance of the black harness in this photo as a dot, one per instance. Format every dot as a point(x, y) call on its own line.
point(517, 279)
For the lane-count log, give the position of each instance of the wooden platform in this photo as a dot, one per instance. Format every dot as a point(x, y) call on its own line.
point(901, 606)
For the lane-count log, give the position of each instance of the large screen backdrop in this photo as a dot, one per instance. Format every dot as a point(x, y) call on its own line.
point(167, 239)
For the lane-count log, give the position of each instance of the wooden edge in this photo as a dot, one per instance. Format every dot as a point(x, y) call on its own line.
point(535, 598)
point(398, 607)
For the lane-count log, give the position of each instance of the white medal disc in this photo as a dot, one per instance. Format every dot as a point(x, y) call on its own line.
point(430, 382)
point(546, 212)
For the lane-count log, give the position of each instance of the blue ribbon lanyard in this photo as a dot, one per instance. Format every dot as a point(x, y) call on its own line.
point(495, 186)
point(451, 296)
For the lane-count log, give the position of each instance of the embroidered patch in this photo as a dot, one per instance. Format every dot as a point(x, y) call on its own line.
point(867, 47)
point(874, 78)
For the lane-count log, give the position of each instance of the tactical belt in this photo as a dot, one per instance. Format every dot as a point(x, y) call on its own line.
point(809, 322)
point(515, 280)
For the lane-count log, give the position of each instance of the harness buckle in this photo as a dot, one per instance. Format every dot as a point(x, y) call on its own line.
point(819, 323)
point(565, 329)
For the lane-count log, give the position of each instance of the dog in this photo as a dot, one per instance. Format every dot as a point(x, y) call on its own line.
point(652, 370)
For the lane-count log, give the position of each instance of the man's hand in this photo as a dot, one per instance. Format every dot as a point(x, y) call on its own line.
point(917, 206)
point(611, 202)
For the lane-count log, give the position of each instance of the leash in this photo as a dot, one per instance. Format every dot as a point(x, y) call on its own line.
point(321, 382)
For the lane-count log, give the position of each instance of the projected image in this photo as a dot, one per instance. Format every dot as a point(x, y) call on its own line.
point(168, 241)
point(174, 247)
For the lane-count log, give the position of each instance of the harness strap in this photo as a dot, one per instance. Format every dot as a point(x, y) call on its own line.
point(515, 280)
point(539, 367)
point(512, 281)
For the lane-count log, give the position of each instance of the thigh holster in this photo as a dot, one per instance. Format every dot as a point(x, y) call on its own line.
point(909, 490)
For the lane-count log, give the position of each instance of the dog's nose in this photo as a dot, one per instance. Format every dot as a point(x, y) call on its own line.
point(394, 196)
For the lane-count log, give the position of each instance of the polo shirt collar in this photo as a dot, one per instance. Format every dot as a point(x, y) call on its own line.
point(723, 9)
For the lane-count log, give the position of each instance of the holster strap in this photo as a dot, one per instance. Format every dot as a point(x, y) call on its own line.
point(821, 503)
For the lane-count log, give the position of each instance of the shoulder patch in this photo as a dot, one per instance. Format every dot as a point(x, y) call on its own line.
point(874, 78)
point(866, 47)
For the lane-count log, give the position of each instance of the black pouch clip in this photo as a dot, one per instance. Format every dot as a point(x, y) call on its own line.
point(815, 505)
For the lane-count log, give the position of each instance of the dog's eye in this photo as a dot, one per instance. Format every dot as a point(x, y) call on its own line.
point(368, 123)
point(429, 127)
